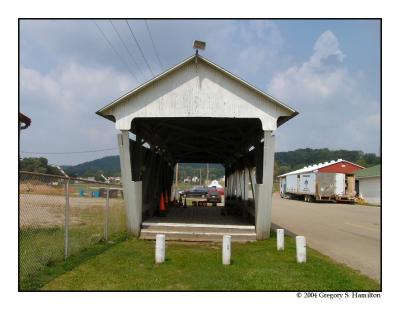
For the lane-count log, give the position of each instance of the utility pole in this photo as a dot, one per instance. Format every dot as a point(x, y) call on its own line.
point(176, 174)
point(200, 176)
point(207, 175)
point(176, 181)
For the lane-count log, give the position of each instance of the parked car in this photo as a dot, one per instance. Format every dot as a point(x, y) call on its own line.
point(213, 196)
point(196, 192)
point(220, 190)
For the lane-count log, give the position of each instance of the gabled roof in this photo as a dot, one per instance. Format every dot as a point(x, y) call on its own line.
point(315, 167)
point(210, 63)
point(22, 118)
point(370, 172)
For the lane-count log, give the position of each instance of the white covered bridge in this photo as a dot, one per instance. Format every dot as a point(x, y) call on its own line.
point(197, 112)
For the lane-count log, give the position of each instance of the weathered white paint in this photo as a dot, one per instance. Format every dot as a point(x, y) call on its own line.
point(132, 190)
point(196, 91)
point(160, 248)
point(239, 183)
point(280, 239)
point(370, 189)
point(228, 186)
point(263, 201)
point(198, 88)
point(301, 250)
point(246, 184)
point(253, 180)
point(226, 250)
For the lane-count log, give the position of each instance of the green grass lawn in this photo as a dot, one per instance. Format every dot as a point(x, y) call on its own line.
point(41, 248)
point(129, 265)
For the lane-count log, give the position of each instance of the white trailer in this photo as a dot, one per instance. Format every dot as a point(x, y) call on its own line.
point(316, 186)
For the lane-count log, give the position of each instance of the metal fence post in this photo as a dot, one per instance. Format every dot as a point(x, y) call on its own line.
point(106, 212)
point(66, 215)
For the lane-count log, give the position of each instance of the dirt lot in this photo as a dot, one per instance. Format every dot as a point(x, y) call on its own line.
point(42, 211)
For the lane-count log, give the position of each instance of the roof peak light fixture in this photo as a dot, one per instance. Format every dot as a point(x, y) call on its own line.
point(199, 45)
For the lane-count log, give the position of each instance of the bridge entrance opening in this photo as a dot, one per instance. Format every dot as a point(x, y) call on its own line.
point(197, 112)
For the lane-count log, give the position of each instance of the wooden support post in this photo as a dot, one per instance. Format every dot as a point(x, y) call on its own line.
point(148, 177)
point(251, 178)
point(264, 191)
point(176, 181)
point(246, 175)
point(207, 176)
point(237, 184)
point(132, 189)
point(246, 183)
point(240, 182)
point(259, 163)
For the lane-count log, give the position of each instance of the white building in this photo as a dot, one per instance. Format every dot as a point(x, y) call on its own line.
point(215, 184)
point(369, 184)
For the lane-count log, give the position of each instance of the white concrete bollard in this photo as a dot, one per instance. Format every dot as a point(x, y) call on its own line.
point(226, 250)
point(301, 249)
point(280, 239)
point(160, 248)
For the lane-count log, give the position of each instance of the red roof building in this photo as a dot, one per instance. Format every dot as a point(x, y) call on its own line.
point(343, 166)
point(339, 166)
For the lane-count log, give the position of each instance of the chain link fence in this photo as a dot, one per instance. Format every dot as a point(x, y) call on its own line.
point(60, 216)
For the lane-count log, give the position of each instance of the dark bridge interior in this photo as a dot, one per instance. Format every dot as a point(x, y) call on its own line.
point(202, 140)
point(163, 142)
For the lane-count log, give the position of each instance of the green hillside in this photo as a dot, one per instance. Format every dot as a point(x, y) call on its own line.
point(215, 171)
point(284, 162)
point(293, 160)
point(109, 166)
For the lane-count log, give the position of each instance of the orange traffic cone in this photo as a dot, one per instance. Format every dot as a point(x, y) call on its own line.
point(166, 200)
point(162, 203)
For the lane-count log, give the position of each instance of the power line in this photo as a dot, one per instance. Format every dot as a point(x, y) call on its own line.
point(140, 49)
point(154, 46)
point(115, 51)
point(129, 52)
point(73, 152)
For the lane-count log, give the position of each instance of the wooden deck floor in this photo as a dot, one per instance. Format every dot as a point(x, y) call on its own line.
point(200, 215)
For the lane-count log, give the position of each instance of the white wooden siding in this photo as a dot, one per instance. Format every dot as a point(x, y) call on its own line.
point(197, 91)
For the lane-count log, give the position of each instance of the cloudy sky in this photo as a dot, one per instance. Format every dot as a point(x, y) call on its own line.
point(328, 70)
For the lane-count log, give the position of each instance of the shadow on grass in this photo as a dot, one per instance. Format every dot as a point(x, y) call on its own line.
point(54, 269)
point(256, 266)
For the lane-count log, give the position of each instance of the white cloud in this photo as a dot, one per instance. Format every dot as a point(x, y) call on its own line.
point(246, 47)
point(68, 71)
point(334, 112)
point(62, 105)
point(325, 47)
point(321, 76)
point(73, 86)
point(362, 130)
point(259, 31)
point(262, 44)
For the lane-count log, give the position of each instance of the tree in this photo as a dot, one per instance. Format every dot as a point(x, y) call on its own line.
point(37, 164)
